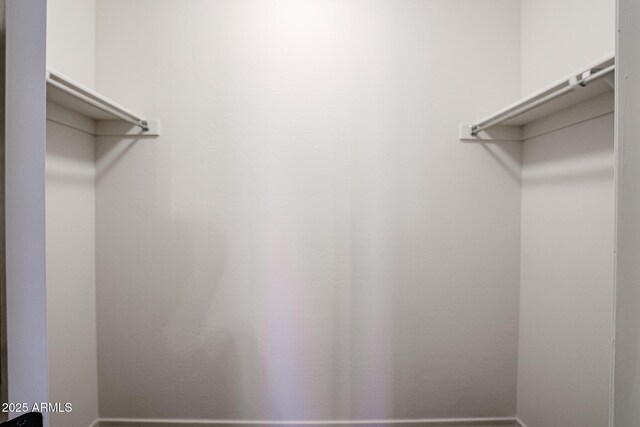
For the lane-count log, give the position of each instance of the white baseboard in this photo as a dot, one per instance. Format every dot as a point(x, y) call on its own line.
point(448, 422)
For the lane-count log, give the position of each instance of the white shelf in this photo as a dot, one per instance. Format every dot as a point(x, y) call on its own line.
point(71, 103)
point(572, 92)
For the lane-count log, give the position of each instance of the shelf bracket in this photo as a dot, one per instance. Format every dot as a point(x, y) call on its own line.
point(494, 134)
point(121, 128)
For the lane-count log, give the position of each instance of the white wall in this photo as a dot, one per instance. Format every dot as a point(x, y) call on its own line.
point(25, 202)
point(627, 378)
point(71, 298)
point(567, 229)
point(567, 277)
point(561, 36)
point(308, 239)
point(70, 197)
point(71, 39)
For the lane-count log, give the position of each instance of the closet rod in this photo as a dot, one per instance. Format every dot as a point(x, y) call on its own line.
point(84, 95)
point(574, 83)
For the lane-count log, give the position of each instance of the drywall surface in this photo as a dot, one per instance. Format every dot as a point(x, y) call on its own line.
point(25, 202)
point(308, 240)
point(71, 39)
point(567, 228)
point(70, 197)
point(627, 375)
point(71, 299)
point(567, 277)
point(562, 36)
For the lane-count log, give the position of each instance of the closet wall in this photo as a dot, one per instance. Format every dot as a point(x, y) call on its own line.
point(70, 222)
point(71, 39)
point(567, 229)
point(559, 37)
point(308, 239)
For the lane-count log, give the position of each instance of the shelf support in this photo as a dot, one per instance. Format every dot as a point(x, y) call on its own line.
point(496, 133)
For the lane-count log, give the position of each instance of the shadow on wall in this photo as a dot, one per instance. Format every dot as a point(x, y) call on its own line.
point(582, 158)
point(578, 159)
point(508, 156)
point(192, 342)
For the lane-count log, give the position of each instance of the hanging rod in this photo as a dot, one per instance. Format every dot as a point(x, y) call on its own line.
point(87, 96)
point(570, 85)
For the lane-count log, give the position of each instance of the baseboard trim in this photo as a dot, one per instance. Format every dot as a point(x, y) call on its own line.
point(444, 422)
point(96, 423)
point(519, 423)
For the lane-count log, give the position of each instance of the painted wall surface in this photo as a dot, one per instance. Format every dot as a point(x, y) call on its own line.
point(560, 37)
point(70, 197)
point(627, 375)
point(71, 39)
point(567, 228)
point(567, 277)
point(307, 239)
point(71, 299)
point(25, 202)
